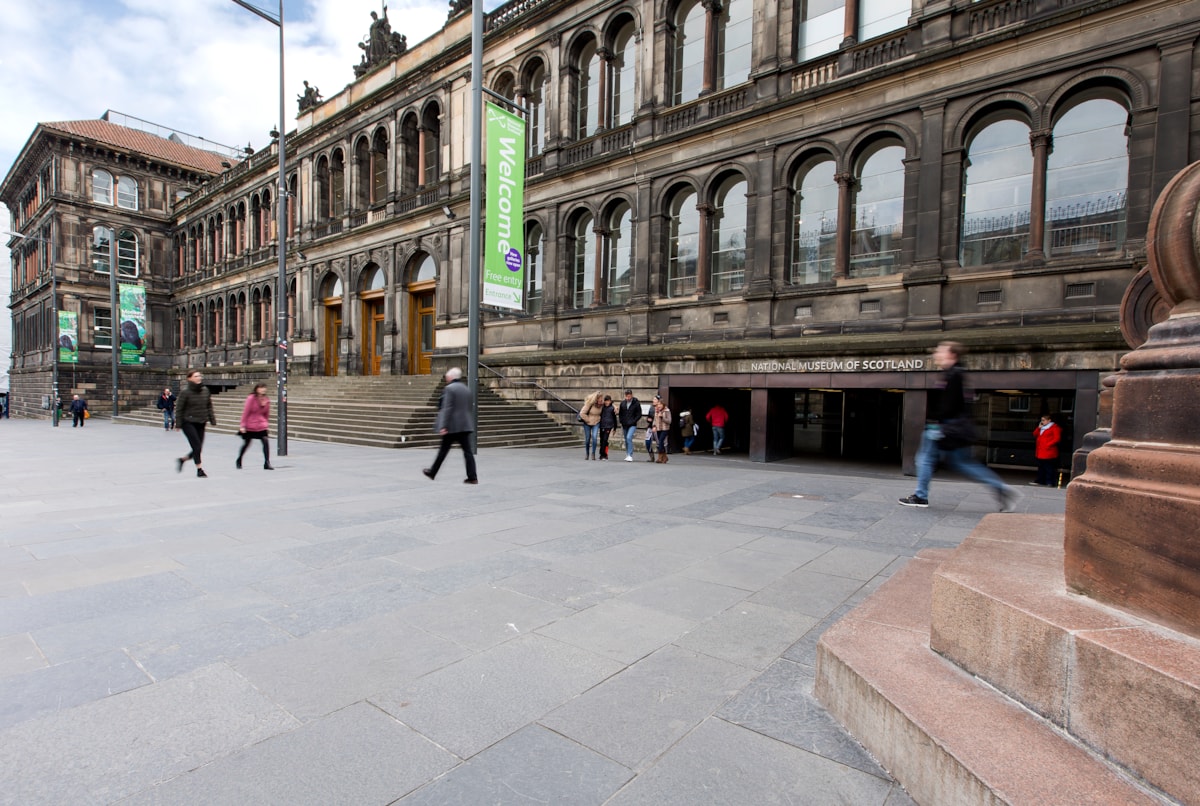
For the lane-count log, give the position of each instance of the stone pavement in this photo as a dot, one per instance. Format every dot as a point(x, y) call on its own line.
point(344, 631)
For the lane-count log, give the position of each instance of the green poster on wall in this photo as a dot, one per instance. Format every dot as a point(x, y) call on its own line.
point(504, 211)
point(133, 324)
point(68, 337)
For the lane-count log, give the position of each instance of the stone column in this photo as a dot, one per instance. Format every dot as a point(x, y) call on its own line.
point(845, 182)
point(704, 251)
point(1042, 142)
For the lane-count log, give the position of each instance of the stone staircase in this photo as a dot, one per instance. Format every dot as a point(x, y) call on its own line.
point(382, 412)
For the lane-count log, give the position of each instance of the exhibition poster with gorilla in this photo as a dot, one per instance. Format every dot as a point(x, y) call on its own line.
point(68, 337)
point(133, 324)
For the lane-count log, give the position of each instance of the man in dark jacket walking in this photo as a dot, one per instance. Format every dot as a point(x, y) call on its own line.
point(78, 409)
point(948, 438)
point(455, 424)
point(628, 415)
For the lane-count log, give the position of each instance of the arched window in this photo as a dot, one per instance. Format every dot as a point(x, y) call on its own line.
point(683, 245)
point(431, 148)
point(688, 78)
point(291, 309)
point(373, 280)
point(337, 184)
point(293, 204)
point(379, 167)
point(621, 70)
point(427, 270)
point(323, 189)
point(240, 236)
point(241, 332)
point(583, 262)
point(729, 236)
point(127, 193)
point(331, 286)
point(878, 213)
point(534, 82)
point(127, 254)
point(814, 224)
point(1086, 179)
point(255, 312)
point(266, 320)
point(533, 268)
point(410, 163)
point(102, 186)
point(734, 29)
point(997, 180)
point(256, 220)
point(618, 254)
point(362, 174)
point(267, 221)
point(587, 90)
point(101, 249)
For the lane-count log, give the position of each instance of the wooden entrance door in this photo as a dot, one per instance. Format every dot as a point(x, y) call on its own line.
point(423, 308)
point(333, 326)
point(372, 334)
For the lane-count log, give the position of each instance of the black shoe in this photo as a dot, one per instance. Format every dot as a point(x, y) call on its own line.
point(200, 474)
point(267, 466)
point(470, 481)
point(428, 473)
point(1009, 498)
point(914, 501)
point(238, 463)
point(178, 465)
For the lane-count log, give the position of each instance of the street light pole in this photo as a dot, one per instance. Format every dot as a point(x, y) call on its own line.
point(281, 199)
point(114, 319)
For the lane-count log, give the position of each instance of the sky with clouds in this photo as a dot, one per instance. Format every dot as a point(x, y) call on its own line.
point(205, 67)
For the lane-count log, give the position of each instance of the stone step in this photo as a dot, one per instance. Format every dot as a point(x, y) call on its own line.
point(945, 735)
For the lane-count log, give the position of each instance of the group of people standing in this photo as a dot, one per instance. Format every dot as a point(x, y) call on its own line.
point(600, 418)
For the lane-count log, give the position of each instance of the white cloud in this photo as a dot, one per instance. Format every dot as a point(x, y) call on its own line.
point(206, 67)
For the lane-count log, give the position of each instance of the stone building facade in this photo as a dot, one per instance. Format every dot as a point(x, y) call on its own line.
point(761, 203)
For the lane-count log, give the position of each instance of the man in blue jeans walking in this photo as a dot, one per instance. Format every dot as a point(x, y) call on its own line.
point(948, 439)
point(628, 414)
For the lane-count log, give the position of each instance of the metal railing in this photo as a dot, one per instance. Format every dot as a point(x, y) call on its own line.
point(551, 397)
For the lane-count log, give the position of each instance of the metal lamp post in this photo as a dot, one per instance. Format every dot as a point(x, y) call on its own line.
point(114, 319)
point(281, 345)
point(54, 318)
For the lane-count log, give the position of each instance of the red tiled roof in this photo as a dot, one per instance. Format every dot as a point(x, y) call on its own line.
point(151, 145)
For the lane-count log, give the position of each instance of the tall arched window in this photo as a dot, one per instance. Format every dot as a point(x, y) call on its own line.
point(1086, 179)
point(323, 189)
point(379, 167)
point(534, 82)
point(734, 29)
point(587, 90)
point(618, 254)
point(533, 268)
point(101, 249)
point(426, 270)
point(102, 186)
point(683, 244)
point(127, 254)
point(293, 204)
point(337, 184)
point(583, 262)
point(878, 213)
point(256, 221)
point(410, 162)
point(688, 78)
point(621, 70)
point(362, 174)
point(814, 224)
point(729, 236)
point(267, 220)
point(256, 311)
point(127, 193)
point(431, 151)
point(997, 181)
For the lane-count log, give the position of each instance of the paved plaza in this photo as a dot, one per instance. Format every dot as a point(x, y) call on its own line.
point(341, 630)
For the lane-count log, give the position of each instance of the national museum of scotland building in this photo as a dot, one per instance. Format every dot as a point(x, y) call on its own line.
point(775, 205)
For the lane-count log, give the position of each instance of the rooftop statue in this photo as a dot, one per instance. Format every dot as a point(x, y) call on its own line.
point(381, 44)
point(310, 98)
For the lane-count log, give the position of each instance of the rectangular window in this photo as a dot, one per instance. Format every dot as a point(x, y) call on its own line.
point(102, 328)
point(822, 28)
point(879, 17)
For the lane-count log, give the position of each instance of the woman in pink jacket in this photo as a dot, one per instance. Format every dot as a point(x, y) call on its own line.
point(256, 416)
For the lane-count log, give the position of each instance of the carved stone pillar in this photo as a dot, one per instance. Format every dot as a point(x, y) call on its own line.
point(1042, 142)
point(712, 10)
point(600, 295)
point(704, 256)
point(603, 105)
point(845, 183)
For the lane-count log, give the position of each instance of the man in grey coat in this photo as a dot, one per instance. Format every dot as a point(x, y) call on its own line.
point(455, 424)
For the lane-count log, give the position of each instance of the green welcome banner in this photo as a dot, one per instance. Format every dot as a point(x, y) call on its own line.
point(133, 324)
point(68, 337)
point(504, 213)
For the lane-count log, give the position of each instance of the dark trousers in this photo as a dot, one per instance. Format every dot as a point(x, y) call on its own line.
point(1047, 472)
point(247, 436)
point(604, 432)
point(77, 419)
point(463, 438)
point(195, 437)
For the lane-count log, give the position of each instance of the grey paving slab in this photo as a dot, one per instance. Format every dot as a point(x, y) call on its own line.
point(699, 541)
point(626, 564)
point(800, 548)
point(358, 755)
point(748, 634)
point(78, 604)
point(806, 592)
point(723, 763)
point(188, 650)
point(638, 714)
point(20, 653)
point(745, 569)
point(482, 616)
point(622, 631)
point(532, 766)
point(557, 588)
point(683, 596)
point(115, 747)
point(64, 685)
point(852, 563)
point(472, 704)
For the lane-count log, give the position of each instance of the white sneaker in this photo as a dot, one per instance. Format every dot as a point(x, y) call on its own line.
point(628, 458)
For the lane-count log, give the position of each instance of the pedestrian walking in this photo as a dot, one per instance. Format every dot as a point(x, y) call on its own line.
point(166, 404)
point(717, 417)
point(79, 413)
point(256, 418)
point(1045, 440)
point(628, 414)
point(651, 442)
point(662, 427)
point(688, 430)
point(608, 421)
point(455, 424)
point(193, 411)
point(948, 437)
point(589, 415)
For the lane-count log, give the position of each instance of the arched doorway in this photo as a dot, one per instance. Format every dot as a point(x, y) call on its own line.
point(422, 296)
point(331, 302)
point(372, 295)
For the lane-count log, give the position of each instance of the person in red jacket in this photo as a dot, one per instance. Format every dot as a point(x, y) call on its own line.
point(256, 416)
point(1046, 438)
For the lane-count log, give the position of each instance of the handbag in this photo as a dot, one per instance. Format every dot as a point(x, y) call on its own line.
point(87, 415)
